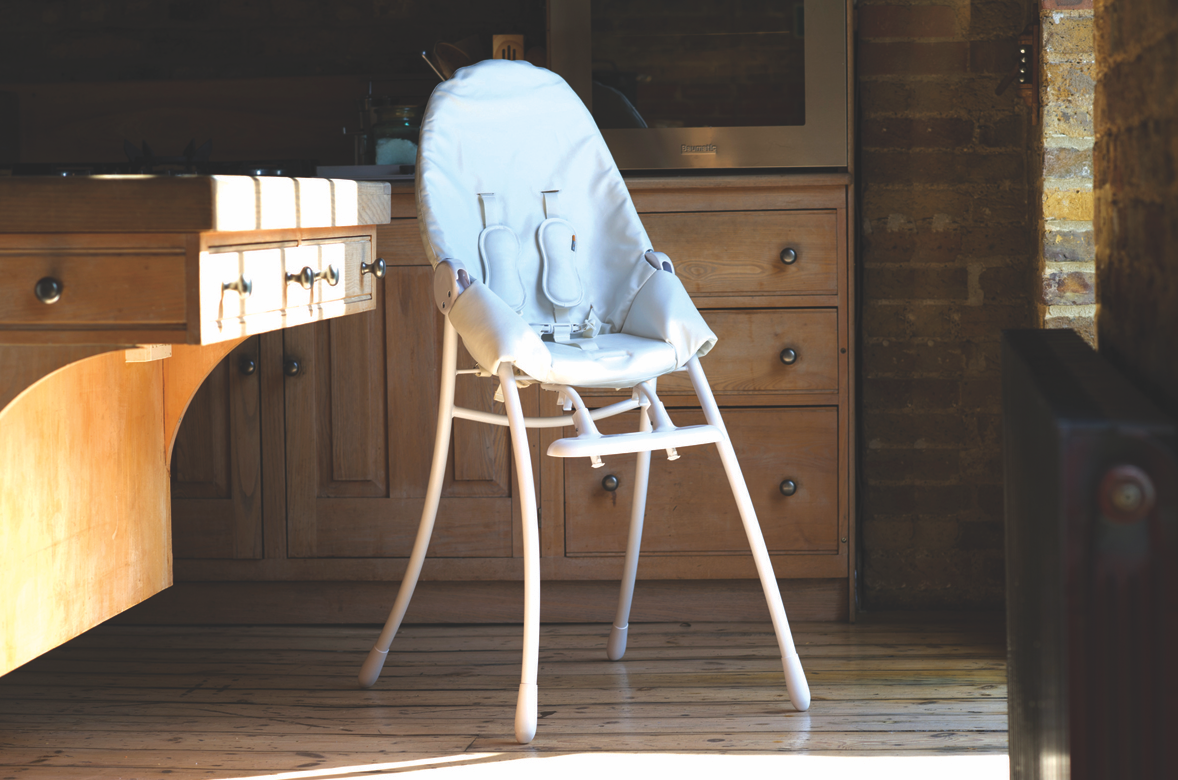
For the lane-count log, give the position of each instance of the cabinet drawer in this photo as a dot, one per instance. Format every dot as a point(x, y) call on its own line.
point(690, 508)
point(749, 355)
point(99, 289)
point(276, 297)
point(739, 252)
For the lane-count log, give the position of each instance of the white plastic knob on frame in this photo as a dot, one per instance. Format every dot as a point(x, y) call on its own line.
point(450, 279)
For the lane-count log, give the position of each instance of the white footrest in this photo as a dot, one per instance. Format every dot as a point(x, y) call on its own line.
point(640, 441)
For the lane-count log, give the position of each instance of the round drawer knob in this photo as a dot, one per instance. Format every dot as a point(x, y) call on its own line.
point(292, 368)
point(305, 277)
point(48, 290)
point(610, 482)
point(789, 356)
point(376, 268)
point(789, 255)
point(247, 366)
point(330, 275)
point(788, 487)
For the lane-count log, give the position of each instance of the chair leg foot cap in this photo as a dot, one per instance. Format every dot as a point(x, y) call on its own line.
point(617, 643)
point(525, 713)
point(795, 682)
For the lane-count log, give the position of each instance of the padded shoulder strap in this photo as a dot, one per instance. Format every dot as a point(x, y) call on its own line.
point(499, 253)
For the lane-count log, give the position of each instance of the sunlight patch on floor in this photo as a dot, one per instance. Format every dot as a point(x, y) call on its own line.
point(594, 766)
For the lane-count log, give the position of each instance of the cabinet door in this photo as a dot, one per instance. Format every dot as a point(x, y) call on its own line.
point(217, 464)
point(690, 508)
point(361, 413)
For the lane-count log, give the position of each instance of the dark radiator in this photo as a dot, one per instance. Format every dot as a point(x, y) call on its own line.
point(1091, 566)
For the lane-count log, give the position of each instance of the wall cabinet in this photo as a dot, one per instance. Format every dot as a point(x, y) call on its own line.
point(313, 468)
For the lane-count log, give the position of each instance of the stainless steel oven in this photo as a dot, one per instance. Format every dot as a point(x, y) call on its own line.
point(711, 83)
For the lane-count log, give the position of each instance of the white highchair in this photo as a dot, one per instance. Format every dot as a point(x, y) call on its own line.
point(542, 266)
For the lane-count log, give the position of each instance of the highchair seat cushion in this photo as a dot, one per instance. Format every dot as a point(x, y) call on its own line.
point(615, 360)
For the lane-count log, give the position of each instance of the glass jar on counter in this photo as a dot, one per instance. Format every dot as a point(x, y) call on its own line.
point(395, 134)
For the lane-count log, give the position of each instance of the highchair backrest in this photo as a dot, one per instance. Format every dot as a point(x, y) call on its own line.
point(515, 182)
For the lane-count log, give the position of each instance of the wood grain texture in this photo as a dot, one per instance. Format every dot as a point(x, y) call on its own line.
point(216, 465)
point(690, 508)
point(84, 497)
point(159, 701)
point(482, 601)
point(747, 358)
point(739, 253)
point(185, 204)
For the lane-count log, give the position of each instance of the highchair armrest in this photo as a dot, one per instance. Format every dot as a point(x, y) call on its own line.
point(663, 311)
point(494, 333)
point(450, 280)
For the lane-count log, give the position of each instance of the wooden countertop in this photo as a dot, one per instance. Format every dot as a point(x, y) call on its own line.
point(183, 204)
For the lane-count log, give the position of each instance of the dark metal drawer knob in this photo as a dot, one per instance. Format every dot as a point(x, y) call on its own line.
point(610, 482)
point(292, 367)
point(789, 255)
point(376, 268)
point(247, 366)
point(789, 356)
point(788, 487)
point(48, 290)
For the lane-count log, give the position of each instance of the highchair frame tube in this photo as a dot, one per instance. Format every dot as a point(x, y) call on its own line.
point(648, 403)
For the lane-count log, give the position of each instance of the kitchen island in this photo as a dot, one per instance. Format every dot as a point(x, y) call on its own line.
point(118, 295)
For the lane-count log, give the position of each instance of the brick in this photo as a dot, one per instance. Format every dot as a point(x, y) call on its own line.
point(1085, 326)
point(997, 19)
point(935, 167)
point(1070, 92)
point(1069, 246)
point(987, 322)
point(1005, 132)
point(935, 465)
point(982, 536)
point(905, 21)
point(987, 241)
point(1067, 163)
point(907, 359)
point(886, 320)
point(995, 56)
point(920, 394)
point(910, 132)
point(984, 394)
point(892, 534)
point(935, 534)
point(1066, 5)
point(915, 246)
point(1007, 283)
point(1068, 39)
point(913, 58)
point(893, 283)
point(916, 429)
point(1071, 204)
point(1070, 287)
point(919, 204)
point(962, 97)
point(932, 321)
point(942, 499)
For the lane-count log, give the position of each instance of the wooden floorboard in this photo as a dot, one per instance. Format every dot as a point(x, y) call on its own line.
point(130, 701)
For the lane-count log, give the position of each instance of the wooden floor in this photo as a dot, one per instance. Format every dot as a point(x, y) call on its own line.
point(917, 699)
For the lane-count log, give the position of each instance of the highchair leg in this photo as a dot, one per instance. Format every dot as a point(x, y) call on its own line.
point(526, 704)
point(376, 657)
point(621, 627)
point(795, 677)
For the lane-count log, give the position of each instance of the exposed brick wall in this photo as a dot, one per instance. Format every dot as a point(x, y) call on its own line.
point(949, 260)
point(1068, 294)
point(1137, 192)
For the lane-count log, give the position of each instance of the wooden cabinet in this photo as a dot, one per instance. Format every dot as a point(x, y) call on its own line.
point(766, 259)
